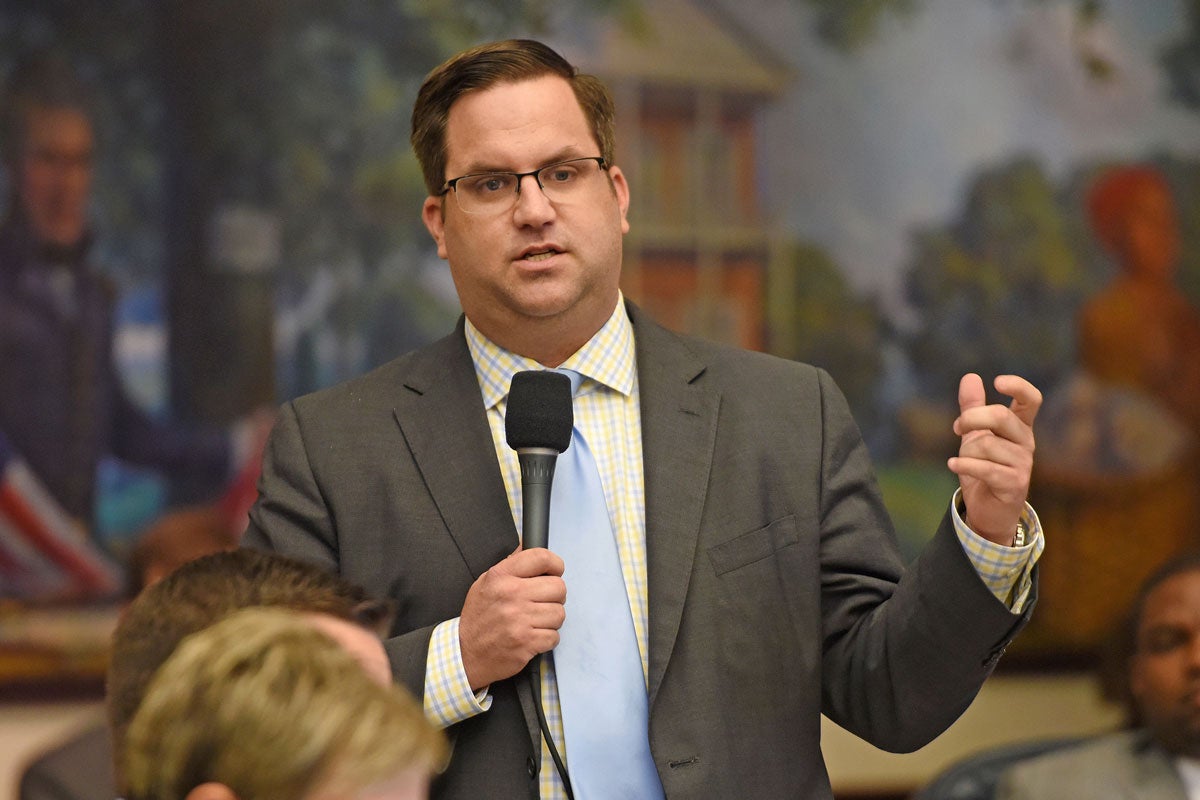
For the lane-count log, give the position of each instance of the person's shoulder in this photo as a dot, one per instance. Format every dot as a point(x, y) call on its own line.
point(1109, 753)
point(79, 768)
point(379, 385)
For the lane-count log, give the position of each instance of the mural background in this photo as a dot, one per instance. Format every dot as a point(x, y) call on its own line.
point(892, 190)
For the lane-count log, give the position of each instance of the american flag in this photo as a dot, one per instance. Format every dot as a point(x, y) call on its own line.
point(44, 553)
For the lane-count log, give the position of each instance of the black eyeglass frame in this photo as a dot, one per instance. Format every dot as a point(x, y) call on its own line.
point(452, 184)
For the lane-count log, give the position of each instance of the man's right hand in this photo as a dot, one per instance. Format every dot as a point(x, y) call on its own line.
point(512, 613)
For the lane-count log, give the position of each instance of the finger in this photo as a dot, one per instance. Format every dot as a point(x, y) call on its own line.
point(543, 640)
point(530, 563)
point(545, 589)
point(547, 616)
point(970, 392)
point(998, 420)
point(998, 451)
point(1027, 399)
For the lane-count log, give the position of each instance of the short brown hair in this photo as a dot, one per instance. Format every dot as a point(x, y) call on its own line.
point(481, 67)
point(267, 705)
point(202, 592)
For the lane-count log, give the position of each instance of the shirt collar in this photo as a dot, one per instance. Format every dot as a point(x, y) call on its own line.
point(607, 359)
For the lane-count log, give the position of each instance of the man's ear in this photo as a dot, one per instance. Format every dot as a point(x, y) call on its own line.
point(433, 214)
point(211, 791)
point(621, 189)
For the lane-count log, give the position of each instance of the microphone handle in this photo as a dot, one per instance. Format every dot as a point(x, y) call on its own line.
point(537, 475)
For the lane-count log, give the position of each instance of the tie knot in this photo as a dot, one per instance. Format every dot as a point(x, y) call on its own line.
point(576, 379)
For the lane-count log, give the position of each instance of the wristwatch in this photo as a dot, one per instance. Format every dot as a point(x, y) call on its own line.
point(1022, 536)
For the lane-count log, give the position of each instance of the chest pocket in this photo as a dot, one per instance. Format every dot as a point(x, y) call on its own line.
point(753, 546)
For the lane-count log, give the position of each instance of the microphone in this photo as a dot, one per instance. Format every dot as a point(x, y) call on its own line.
point(538, 426)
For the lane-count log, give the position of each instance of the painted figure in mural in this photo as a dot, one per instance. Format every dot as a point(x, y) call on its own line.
point(1141, 331)
point(62, 404)
point(1158, 758)
point(762, 584)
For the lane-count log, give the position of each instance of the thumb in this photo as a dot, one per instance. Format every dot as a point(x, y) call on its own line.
point(970, 392)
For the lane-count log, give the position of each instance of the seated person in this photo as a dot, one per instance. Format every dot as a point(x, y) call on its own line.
point(264, 705)
point(211, 588)
point(192, 597)
point(1159, 758)
point(80, 768)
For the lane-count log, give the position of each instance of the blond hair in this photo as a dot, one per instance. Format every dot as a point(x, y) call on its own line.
point(274, 709)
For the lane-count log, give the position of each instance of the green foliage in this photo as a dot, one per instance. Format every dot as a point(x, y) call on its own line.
point(1181, 61)
point(997, 289)
point(849, 24)
point(836, 329)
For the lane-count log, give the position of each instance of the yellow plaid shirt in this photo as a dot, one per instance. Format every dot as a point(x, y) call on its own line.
point(608, 412)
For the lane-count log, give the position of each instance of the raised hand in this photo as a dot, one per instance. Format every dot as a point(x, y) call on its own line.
point(995, 457)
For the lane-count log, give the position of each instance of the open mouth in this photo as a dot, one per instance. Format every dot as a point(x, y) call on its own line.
point(539, 255)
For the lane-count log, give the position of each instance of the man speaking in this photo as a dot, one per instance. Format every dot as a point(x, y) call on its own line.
point(720, 568)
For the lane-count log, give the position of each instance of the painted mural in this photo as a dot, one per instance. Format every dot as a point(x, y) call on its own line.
point(896, 191)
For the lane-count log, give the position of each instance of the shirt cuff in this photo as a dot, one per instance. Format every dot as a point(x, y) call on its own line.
point(448, 695)
point(1006, 571)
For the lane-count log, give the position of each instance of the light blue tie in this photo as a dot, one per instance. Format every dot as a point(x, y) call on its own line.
point(601, 688)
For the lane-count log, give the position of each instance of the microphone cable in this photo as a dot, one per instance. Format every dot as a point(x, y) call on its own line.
point(535, 684)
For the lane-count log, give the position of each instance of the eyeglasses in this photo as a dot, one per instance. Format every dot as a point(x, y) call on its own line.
point(495, 192)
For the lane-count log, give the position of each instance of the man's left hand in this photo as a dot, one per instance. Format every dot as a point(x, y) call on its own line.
point(995, 457)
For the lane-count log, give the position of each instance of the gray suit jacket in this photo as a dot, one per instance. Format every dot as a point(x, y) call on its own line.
point(1123, 766)
point(775, 588)
point(79, 768)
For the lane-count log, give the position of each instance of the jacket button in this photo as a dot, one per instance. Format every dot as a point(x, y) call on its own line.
point(531, 767)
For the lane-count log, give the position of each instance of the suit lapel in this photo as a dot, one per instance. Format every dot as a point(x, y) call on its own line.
point(679, 422)
point(441, 414)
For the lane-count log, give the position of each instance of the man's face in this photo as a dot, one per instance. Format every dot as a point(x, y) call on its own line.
point(1165, 670)
point(553, 265)
point(54, 174)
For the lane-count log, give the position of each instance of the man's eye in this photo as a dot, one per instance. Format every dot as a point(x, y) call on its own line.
point(1164, 641)
point(563, 174)
point(489, 184)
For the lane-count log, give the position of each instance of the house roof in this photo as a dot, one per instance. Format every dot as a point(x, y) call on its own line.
point(676, 43)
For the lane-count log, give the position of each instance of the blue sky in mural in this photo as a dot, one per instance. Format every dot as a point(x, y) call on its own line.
point(893, 131)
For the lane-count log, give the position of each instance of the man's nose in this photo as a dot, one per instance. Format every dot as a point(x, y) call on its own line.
point(533, 207)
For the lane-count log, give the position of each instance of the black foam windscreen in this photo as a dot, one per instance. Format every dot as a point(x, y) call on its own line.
point(539, 411)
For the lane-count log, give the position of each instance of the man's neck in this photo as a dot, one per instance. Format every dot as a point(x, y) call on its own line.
point(549, 342)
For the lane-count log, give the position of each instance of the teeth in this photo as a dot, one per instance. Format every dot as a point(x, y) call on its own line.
point(542, 256)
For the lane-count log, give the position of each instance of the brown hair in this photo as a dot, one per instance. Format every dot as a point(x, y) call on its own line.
point(481, 67)
point(202, 592)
